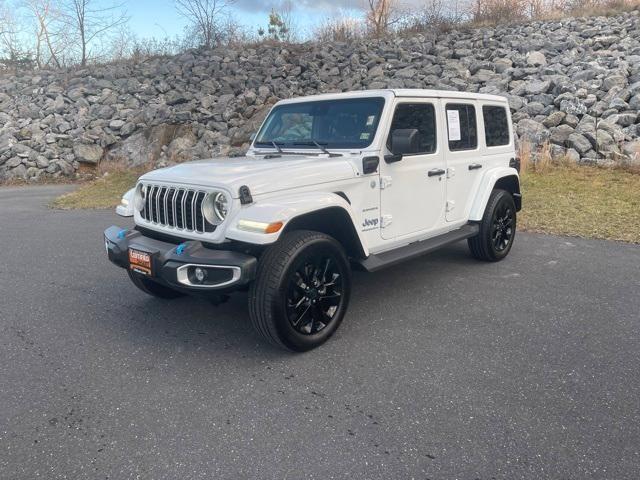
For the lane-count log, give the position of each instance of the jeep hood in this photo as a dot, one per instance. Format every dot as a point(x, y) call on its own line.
point(259, 174)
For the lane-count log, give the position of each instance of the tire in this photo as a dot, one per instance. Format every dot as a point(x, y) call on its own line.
point(301, 292)
point(497, 228)
point(152, 288)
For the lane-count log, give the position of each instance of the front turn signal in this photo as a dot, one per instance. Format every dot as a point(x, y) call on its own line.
point(259, 227)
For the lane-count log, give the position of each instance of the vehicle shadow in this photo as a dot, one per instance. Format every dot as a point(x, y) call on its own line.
point(194, 324)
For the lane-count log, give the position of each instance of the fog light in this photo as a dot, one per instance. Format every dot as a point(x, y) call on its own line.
point(200, 274)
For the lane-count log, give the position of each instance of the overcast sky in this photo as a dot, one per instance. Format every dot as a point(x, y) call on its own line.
point(157, 18)
point(303, 5)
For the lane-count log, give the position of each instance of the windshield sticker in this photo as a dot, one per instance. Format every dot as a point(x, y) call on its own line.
point(371, 120)
point(365, 136)
point(455, 134)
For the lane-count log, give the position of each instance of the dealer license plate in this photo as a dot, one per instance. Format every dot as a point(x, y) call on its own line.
point(140, 262)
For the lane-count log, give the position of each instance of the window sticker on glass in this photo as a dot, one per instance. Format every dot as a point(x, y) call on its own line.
point(371, 120)
point(453, 117)
point(365, 136)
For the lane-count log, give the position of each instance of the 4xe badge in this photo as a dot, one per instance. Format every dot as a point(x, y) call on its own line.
point(370, 224)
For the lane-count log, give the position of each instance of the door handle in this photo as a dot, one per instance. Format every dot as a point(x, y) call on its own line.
point(437, 172)
point(475, 166)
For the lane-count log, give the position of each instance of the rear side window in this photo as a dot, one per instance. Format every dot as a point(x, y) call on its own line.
point(462, 126)
point(421, 116)
point(496, 126)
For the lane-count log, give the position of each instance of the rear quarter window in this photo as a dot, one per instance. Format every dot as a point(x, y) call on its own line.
point(496, 126)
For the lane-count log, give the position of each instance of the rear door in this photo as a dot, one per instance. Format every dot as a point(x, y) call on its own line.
point(463, 156)
point(412, 201)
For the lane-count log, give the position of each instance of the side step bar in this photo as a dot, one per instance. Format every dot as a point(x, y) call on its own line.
point(413, 250)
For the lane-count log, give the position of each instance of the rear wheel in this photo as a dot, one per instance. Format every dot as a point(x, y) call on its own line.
point(301, 292)
point(152, 288)
point(497, 228)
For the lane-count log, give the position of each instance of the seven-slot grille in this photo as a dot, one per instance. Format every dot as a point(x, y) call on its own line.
point(176, 207)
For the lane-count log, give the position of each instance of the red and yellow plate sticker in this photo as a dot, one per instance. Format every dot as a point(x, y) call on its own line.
point(140, 262)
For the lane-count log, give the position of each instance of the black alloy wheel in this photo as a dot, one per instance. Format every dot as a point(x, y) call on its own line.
point(314, 293)
point(497, 228)
point(503, 227)
point(301, 291)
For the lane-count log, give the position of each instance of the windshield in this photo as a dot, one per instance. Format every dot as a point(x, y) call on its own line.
point(349, 123)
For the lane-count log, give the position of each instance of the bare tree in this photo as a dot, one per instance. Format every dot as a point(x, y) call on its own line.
point(498, 11)
point(382, 15)
point(206, 18)
point(8, 29)
point(12, 51)
point(431, 12)
point(340, 28)
point(285, 10)
point(49, 33)
point(91, 22)
point(122, 43)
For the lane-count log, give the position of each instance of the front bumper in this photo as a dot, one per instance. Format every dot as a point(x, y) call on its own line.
point(174, 265)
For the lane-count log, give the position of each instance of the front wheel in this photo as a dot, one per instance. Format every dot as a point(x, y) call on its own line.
point(497, 228)
point(301, 292)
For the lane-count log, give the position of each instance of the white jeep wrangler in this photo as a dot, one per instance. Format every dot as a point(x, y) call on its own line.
point(365, 179)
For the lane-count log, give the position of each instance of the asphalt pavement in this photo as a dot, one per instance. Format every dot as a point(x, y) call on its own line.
point(445, 368)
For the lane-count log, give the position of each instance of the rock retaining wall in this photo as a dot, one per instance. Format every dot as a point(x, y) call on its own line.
point(561, 78)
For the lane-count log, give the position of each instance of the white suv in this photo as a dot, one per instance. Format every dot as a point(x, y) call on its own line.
point(365, 179)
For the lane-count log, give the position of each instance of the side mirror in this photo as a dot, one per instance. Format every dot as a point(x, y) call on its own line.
point(403, 142)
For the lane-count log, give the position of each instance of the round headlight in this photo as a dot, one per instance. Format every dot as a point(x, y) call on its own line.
point(221, 206)
point(140, 197)
point(215, 208)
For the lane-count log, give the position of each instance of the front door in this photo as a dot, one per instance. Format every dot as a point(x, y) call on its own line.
point(413, 189)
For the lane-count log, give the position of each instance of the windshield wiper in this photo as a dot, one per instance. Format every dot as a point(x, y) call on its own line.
point(320, 147)
point(277, 147)
point(273, 142)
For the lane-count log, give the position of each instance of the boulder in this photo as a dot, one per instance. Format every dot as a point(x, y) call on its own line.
point(536, 59)
point(554, 119)
point(614, 81)
point(536, 87)
point(88, 153)
point(579, 143)
point(116, 124)
point(532, 131)
point(561, 134)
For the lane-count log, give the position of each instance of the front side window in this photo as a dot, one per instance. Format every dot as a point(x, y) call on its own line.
point(496, 126)
point(349, 123)
point(419, 116)
point(462, 127)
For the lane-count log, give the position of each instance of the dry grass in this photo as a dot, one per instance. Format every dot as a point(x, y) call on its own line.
point(538, 161)
point(606, 8)
point(487, 13)
point(104, 192)
point(563, 198)
point(582, 201)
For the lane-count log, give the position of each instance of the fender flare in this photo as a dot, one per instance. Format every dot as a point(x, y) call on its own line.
point(285, 209)
point(489, 180)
